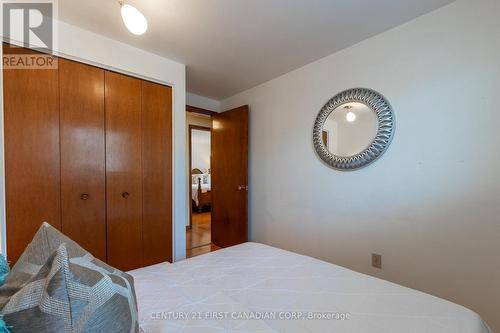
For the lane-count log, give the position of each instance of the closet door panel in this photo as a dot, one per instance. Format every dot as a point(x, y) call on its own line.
point(31, 118)
point(157, 172)
point(123, 171)
point(83, 187)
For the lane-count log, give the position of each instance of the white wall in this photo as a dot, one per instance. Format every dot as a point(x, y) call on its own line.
point(202, 102)
point(200, 152)
point(431, 204)
point(88, 47)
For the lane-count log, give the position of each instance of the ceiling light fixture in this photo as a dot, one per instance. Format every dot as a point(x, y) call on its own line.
point(350, 116)
point(135, 22)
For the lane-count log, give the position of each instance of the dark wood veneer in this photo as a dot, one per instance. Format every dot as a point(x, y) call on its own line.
point(89, 151)
point(123, 171)
point(157, 172)
point(83, 182)
point(229, 174)
point(32, 164)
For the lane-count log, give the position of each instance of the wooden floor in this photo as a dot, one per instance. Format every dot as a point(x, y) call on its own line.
point(198, 238)
point(190, 253)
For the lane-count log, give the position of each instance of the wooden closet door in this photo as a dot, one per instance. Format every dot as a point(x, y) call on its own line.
point(123, 171)
point(31, 118)
point(157, 172)
point(83, 187)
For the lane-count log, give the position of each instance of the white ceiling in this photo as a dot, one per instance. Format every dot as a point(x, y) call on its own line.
point(231, 45)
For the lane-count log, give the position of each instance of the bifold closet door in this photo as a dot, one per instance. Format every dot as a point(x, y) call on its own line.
point(31, 118)
point(83, 184)
point(123, 171)
point(157, 172)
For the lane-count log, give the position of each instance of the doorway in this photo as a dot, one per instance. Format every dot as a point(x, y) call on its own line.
point(218, 179)
point(198, 233)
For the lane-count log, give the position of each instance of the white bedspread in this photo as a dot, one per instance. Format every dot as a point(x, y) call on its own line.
point(211, 293)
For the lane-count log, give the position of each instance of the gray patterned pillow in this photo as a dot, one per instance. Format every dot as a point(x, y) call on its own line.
point(58, 286)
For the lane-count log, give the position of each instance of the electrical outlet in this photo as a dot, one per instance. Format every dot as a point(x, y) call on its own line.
point(377, 260)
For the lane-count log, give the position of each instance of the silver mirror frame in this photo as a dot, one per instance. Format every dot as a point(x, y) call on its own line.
point(386, 126)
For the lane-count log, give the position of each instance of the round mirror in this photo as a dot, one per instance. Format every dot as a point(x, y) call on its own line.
point(353, 129)
point(350, 129)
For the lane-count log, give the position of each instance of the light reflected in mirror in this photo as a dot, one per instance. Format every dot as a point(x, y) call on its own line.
point(350, 129)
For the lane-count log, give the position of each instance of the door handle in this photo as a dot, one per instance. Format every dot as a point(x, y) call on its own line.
point(125, 195)
point(242, 188)
point(84, 196)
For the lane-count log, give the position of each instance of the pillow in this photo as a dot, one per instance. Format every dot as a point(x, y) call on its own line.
point(3, 326)
point(42, 304)
point(58, 286)
point(4, 270)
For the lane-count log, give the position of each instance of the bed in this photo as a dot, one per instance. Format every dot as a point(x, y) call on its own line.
point(258, 288)
point(201, 191)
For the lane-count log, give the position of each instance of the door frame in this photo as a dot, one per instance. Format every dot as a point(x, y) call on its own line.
point(195, 109)
point(191, 128)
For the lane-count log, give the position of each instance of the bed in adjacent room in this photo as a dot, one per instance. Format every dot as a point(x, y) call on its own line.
point(258, 288)
point(201, 189)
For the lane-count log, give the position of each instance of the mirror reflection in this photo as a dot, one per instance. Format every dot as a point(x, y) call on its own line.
point(350, 129)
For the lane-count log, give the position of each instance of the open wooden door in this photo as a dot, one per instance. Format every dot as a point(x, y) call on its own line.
point(230, 177)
